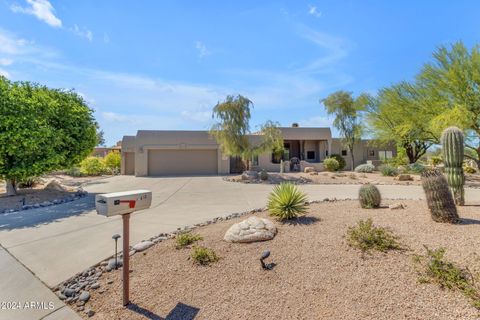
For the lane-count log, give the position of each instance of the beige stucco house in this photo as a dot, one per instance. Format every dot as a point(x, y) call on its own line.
point(161, 153)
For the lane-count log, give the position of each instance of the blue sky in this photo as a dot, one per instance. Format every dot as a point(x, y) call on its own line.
point(164, 64)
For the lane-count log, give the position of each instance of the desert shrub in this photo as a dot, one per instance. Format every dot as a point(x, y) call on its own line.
point(203, 256)
point(331, 164)
point(28, 182)
point(435, 268)
point(365, 168)
point(74, 172)
point(366, 236)
point(113, 161)
point(352, 176)
point(93, 166)
point(286, 201)
point(399, 160)
point(185, 239)
point(388, 170)
point(341, 161)
point(436, 160)
point(469, 169)
point(416, 168)
point(369, 196)
point(263, 175)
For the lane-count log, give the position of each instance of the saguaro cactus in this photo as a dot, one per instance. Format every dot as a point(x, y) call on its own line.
point(439, 198)
point(453, 149)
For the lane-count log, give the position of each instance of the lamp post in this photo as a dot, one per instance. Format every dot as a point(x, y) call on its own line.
point(116, 237)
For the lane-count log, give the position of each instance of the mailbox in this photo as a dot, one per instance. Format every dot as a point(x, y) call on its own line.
point(118, 203)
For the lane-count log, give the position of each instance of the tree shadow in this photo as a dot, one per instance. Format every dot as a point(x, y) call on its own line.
point(302, 220)
point(44, 215)
point(467, 221)
point(180, 312)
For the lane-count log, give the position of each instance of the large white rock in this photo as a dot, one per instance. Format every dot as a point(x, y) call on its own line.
point(251, 230)
point(142, 245)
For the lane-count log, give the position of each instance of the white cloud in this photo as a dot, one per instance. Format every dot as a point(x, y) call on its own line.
point(317, 121)
point(202, 116)
point(312, 10)
point(5, 61)
point(202, 49)
point(83, 33)
point(42, 9)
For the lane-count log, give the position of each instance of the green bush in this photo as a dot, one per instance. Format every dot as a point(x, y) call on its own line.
point(388, 170)
point(113, 161)
point(365, 236)
point(203, 256)
point(416, 168)
point(286, 201)
point(263, 175)
point(74, 172)
point(341, 161)
point(369, 196)
point(186, 239)
point(434, 268)
point(436, 160)
point(93, 166)
point(331, 164)
point(365, 168)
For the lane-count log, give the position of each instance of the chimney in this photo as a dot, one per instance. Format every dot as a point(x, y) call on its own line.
point(295, 125)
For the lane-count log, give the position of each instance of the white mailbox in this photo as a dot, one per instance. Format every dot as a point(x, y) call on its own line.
point(117, 203)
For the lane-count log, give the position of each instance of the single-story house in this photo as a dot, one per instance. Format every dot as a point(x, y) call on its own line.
point(162, 153)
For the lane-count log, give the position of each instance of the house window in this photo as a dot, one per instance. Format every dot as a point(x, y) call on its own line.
point(371, 153)
point(310, 155)
point(254, 160)
point(344, 152)
point(276, 157)
point(385, 154)
point(326, 153)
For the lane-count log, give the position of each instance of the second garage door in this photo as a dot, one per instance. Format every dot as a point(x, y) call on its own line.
point(182, 162)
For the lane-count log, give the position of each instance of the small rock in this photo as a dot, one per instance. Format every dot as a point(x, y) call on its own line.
point(142, 246)
point(309, 169)
point(89, 312)
point(109, 281)
point(61, 296)
point(80, 303)
point(111, 263)
point(84, 296)
point(96, 285)
point(81, 308)
point(132, 252)
point(69, 292)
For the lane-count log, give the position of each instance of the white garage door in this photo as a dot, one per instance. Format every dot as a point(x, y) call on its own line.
point(182, 162)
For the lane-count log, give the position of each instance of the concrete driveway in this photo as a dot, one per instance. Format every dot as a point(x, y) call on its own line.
point(57, 242)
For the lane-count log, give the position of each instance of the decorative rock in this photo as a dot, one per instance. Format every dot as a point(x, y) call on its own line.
point(251, 230)
point(111, 263)
point(404, 177)
point(84, 296)
point(61, 296)
point(309, 169)
point(68, 292)
point(142, 245)
point(89, 312)
point(250, 175)
point(109, 281)
point(81, 308)
point(54, 185)
point(396, 206)
point(80, 303)
point(94, 286)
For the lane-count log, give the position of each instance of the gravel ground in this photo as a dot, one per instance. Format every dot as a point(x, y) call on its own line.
point(317, 276)
point(345, 177)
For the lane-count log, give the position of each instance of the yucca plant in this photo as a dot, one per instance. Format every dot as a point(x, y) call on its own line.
point(369, 196)
point(286, 201)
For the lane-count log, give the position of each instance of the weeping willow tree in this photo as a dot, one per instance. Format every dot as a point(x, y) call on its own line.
point(232, 127)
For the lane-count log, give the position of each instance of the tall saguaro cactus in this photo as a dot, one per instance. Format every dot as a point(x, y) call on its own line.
point(453, 149)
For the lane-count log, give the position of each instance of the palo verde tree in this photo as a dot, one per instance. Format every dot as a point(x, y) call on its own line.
point(346, 110)
point(401, 114)
point(452, 81)
point(232, 126)
point(41, 130)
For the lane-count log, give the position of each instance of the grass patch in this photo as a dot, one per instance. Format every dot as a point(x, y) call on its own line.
point(186, 239)
point(366, 237)
point(435, 268)
point(203, 256)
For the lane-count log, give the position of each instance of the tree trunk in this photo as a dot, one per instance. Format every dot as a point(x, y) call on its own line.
point(11, 187)
point(353, 159)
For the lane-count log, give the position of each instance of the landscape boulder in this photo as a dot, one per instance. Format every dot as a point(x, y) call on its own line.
point(395, 206)
point(251, 230)
point(54, 185)
point(142, 246)
point(404, 177)
point(309, 169)
point(250, 175)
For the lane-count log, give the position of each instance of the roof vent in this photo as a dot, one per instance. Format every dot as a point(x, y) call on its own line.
point(295, 125)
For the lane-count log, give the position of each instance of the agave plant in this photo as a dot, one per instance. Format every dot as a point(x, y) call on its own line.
point(286, 201)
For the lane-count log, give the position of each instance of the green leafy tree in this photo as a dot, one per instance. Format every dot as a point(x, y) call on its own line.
point(232, 127)
point(41, 130)
point(346, 110)
point(452, 81)
point(402, 114)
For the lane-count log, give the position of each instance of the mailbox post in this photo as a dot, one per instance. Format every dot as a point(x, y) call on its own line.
point(124, 203)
